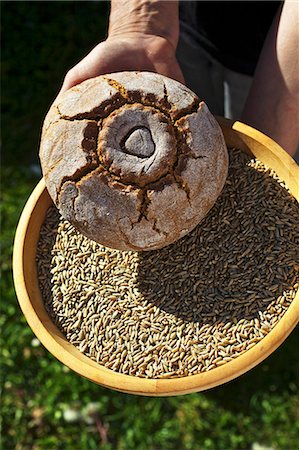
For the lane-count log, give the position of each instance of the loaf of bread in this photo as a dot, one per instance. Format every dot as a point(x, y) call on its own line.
point(134, 160)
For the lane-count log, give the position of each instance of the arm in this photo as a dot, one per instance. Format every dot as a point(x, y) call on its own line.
point(142, 35)
point(273, 102)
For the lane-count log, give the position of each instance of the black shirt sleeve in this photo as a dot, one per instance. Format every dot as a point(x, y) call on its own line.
point(233, 32)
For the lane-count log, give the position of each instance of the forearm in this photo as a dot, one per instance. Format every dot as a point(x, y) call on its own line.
point(273, 101)
point(142, 35)
point(147, 17)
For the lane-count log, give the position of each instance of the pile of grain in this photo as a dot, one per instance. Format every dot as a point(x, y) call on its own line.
point(191, 306)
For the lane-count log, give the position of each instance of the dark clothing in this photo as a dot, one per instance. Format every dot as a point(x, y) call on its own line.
point(232, 32)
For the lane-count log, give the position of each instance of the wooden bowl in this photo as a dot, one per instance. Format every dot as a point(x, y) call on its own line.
point(236, 134)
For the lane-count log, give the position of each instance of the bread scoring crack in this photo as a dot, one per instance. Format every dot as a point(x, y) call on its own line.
point(95, 161)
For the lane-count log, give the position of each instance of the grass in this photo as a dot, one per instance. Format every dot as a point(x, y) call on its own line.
point(46, 406)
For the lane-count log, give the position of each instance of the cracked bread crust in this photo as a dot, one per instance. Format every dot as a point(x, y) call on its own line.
point(135, 168)
point(133, 159)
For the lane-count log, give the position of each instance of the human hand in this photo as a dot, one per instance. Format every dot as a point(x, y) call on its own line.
point(135, 51)
point(142, 35)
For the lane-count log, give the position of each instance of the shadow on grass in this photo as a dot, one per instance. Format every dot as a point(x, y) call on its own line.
point(278, 374)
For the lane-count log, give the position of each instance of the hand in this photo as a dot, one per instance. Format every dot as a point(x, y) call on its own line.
point(135, 51)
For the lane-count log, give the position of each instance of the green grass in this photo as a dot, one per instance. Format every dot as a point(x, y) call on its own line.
point(42, 40)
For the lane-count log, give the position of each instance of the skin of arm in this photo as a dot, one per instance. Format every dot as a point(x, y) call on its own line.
point(272, 105)
point(142, 35)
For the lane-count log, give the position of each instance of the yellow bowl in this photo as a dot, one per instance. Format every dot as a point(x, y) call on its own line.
point(237, 135)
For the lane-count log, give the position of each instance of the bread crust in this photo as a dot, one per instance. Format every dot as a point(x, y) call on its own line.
point(133, 159)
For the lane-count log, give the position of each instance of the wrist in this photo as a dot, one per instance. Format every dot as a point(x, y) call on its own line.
point(138, 18)
point(275, 116)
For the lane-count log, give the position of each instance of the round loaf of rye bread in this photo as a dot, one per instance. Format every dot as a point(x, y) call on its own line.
point(134, 160)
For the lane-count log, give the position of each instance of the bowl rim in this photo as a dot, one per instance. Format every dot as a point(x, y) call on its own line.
point(54, 341)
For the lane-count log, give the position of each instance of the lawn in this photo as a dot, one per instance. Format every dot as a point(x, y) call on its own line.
point(46, 406)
